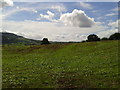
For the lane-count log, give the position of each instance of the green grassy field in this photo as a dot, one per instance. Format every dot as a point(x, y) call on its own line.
point(74, 65)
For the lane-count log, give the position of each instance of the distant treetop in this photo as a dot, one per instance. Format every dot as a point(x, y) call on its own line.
point(93, 37)
point(115, 36)
point(45, 41)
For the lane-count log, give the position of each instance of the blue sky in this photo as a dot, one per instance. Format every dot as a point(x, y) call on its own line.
point(102, 9)
point(61, 21)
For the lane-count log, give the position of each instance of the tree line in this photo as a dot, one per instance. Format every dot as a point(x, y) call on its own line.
point(91, 38)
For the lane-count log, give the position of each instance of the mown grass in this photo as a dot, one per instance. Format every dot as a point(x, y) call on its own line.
point(75, 65)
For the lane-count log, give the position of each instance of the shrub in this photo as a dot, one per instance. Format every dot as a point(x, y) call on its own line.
point(115, 36)
point(93, 37)
point(45, 41)
point(104, 38)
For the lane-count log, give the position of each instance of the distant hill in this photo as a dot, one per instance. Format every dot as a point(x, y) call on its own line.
point(10, 38)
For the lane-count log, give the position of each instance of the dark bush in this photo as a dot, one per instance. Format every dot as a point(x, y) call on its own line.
point(104, 38)
point(93, 37)
point(115, 36)
point(83, 41)
point(45, 41)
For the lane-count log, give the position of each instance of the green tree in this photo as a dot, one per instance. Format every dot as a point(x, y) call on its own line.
point(104, 38)
point(93, 37)
point(115, 36)
point(45, 41)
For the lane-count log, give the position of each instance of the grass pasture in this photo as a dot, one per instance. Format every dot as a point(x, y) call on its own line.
point(74, 65)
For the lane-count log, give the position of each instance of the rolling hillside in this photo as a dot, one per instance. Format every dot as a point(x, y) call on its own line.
point(73, 65)
point(10, 38)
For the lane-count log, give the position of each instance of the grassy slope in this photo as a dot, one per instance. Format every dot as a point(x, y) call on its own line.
point(83, 65)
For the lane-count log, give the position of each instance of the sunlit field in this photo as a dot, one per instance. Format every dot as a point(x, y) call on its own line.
point(72, 65)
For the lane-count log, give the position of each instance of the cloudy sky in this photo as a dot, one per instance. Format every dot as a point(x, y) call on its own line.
point(65, 21)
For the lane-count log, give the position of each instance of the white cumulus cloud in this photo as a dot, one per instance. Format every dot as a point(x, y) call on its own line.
point(6, 3)
point(77, 18)
point(107, 33)
point(51, 30)
point(59, 8)
point(114, 24)
point(49, 16)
